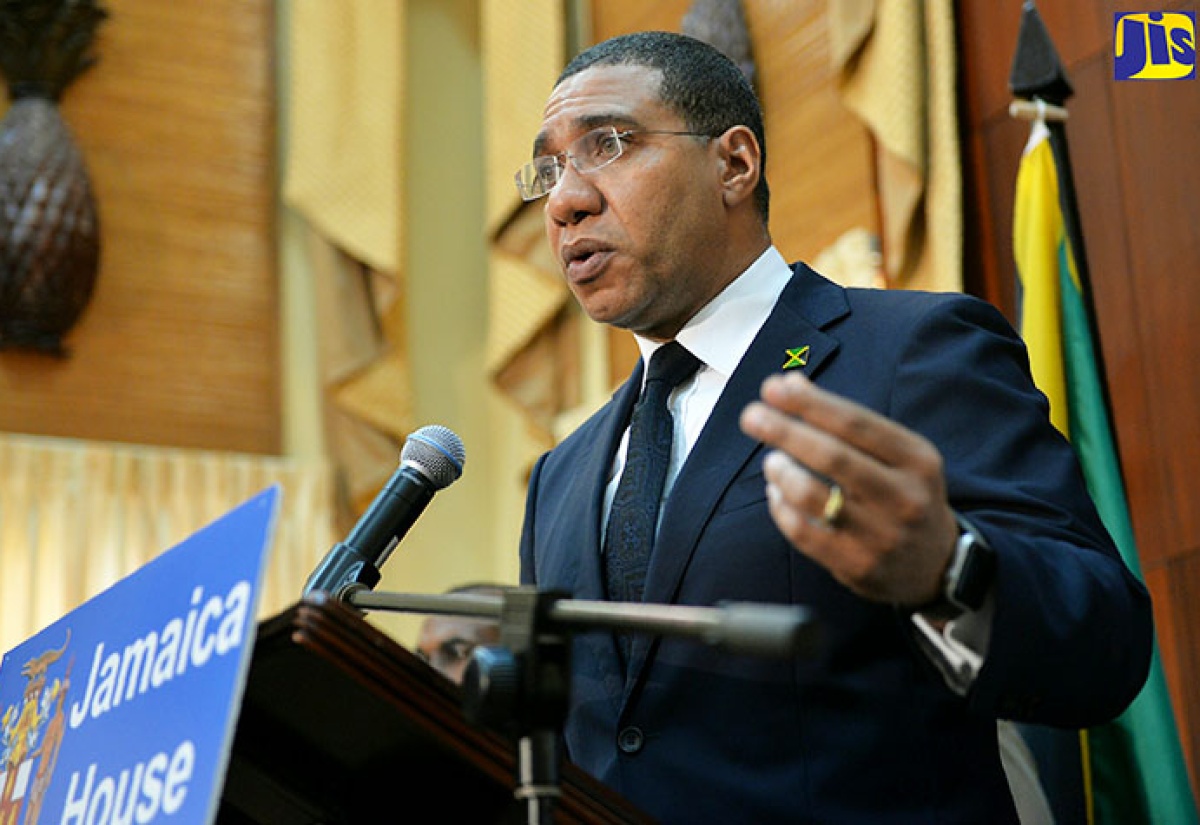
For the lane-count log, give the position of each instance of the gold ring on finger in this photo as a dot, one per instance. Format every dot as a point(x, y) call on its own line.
point(834, 505)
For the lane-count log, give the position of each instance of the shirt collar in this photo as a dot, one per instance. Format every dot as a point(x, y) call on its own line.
point(721, 332)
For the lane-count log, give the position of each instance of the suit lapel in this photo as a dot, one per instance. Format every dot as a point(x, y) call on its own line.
point(592, 480)
point(791, 334)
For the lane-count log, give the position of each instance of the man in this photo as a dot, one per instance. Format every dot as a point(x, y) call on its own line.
point(879, 457)
point(447, 641)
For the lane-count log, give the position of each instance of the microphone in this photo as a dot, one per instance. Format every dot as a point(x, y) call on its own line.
point(432, 459)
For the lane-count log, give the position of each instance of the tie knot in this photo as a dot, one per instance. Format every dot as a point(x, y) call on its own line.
point(671, 364)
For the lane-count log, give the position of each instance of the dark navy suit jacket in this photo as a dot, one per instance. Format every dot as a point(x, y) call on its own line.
point(867, 731)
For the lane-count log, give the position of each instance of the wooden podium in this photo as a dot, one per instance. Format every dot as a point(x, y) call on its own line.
point(340, 724)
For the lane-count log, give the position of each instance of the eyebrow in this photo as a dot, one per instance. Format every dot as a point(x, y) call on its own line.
point(585, 123)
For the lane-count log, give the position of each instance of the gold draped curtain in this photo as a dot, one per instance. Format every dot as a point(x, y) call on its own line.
point(537, 351)
point(346, 158)
point(344, 102)
point(76, 516)
point(895, 61)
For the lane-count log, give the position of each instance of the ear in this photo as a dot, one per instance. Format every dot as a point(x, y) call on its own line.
point(741, 160)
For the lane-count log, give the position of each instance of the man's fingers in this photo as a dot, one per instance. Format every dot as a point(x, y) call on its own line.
point(848, 422)
point(822, 454)
point(894, 527)
point(791, 485)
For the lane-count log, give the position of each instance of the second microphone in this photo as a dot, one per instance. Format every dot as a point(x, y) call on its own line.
point(431, 460)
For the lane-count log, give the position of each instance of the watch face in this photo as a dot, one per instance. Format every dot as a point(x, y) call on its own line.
point(976, 574)
point(968, 580)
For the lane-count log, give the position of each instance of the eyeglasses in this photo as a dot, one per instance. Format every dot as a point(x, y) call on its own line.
point(594, 150)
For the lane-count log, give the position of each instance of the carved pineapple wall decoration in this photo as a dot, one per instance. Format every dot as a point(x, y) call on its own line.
point(49, 227)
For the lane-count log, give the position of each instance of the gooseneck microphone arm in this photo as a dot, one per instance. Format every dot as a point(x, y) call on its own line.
point(521, 687)
point(737, 627)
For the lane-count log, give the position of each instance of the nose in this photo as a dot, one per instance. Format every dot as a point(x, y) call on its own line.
point(573, 198)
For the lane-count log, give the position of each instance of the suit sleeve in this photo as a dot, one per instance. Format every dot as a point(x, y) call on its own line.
point(1072, 633)
point(528, 574)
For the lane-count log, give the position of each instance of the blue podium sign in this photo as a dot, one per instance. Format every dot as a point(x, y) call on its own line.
point(124, 710)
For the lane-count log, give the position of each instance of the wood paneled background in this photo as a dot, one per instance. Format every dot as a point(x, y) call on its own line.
point(179, 345)
point(1137, 176)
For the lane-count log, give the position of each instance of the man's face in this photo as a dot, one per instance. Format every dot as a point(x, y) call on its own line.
point(447, 642)
point(639, 241)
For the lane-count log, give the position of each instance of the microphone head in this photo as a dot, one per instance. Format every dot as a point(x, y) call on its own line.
point(437, 453)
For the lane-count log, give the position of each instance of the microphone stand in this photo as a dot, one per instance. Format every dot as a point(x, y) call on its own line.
point(522, 685)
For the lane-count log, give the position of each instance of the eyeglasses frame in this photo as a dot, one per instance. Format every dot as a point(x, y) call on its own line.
point(621, 135)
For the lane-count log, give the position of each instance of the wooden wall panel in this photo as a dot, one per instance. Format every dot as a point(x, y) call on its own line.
point(1183, 586)
point(1137, 178)
point(820, 161)
point(1176, 586)
point(1156, 127)
point(180, 343)
point(1080, 29)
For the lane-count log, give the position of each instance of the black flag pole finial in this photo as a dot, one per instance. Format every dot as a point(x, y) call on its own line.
point(1037, 72)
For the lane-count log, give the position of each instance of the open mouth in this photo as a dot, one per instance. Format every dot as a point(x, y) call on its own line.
point(583, 260)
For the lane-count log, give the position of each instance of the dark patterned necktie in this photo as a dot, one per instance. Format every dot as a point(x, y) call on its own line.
point(633, 520)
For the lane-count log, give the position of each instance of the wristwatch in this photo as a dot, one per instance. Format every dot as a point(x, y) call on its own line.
point(968, 579)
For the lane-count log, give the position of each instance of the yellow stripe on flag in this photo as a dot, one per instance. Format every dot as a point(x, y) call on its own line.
point(1038, 242)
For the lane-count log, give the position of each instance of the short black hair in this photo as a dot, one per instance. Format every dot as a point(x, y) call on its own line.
point(699, 82)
